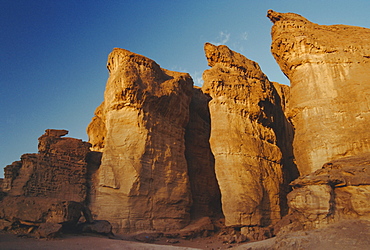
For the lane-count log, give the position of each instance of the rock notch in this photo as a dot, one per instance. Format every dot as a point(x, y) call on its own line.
point(329, 72)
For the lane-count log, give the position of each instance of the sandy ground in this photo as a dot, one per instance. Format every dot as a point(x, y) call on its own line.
point(346, 235)
point(9, 241)
point(88, 242)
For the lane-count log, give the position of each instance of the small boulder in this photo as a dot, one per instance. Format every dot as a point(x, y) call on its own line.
point(98, 226)
point(49, 230)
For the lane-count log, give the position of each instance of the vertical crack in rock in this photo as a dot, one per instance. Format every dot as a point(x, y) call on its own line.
point(201, 164)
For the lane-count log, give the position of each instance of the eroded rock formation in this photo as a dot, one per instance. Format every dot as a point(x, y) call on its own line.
point(166, 153)
point(338, 191)
point(248, 160)
point(142, 183)
point(60, 161)
point(328, 68)
point(48, 187)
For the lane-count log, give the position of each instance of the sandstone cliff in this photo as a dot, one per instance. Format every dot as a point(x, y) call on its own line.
point(48, 187)
point(142, 183)
point(248, 160)
point(328, 68)
point(166, 153)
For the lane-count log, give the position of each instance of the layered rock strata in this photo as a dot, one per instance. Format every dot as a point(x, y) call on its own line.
point(328, 68)
point(57, 171)
point(142, 183)
point(248, 160)
point(48, 187)
point(338, 191)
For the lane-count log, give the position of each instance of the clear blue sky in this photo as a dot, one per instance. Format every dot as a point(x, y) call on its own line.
point(53, 53)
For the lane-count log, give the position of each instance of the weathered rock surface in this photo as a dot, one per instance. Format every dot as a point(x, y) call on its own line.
point(142, 183)
point(339, 190)
point(166, 154)
point(99, 226)
point(248, 160)
point(57, 171)
point(10, 173)
point(329, 71)
point(48, 187)
point(97, 130)
point(49, 230)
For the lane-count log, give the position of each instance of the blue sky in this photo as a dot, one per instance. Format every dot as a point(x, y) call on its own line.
point(53, 53)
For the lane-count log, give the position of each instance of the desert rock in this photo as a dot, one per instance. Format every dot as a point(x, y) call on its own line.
point(49, 230)
point(98, 226)
point(50, 186)
point(248, 161)
point(328, 69)
point(60, 161)
point(338, 191)
point(142, 183)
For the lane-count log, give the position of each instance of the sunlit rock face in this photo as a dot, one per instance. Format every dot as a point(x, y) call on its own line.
point(248, 160)
point(142, 182)
point(340, 190)
point(329, 71)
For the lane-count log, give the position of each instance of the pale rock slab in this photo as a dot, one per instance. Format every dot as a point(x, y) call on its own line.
point(329, 72)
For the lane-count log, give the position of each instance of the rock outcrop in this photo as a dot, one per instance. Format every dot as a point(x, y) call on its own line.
point(340, 190)
point(167, 158)
point(142, 183)
point(248, 160)
point(328, 68)
point(57, 171)
point(48, 187)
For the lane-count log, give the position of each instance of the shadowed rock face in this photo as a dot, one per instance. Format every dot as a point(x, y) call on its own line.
point(328, 68)
point(248, 161)
point(201, 163)
point(142, 182)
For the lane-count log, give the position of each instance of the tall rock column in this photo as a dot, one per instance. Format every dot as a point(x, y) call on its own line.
point(247, 157)
point(142, 183)
point(329, 72)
